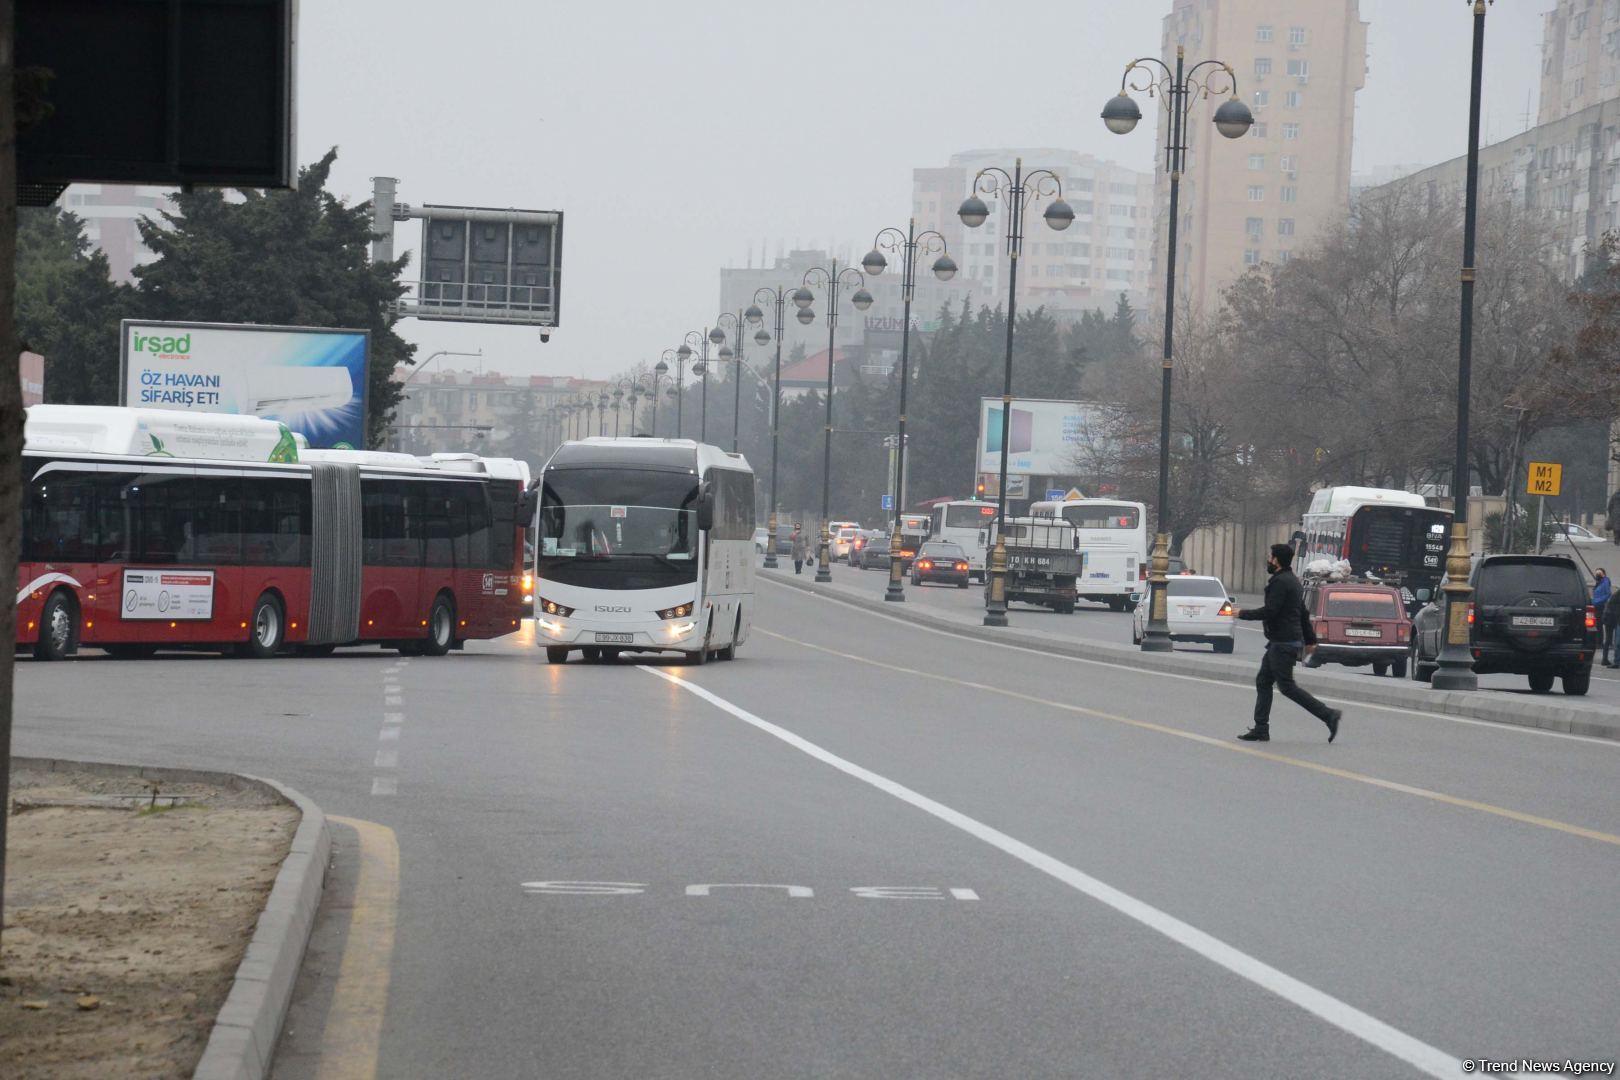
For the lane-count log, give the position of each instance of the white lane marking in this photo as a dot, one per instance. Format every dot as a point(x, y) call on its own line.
point(964, 894)
point(1346, 1017)
point(393, 717)
point(42, 580)
point(388, 734)
point(384, 785)
point(394, 700)
point(1492, 725)
point(387, 759)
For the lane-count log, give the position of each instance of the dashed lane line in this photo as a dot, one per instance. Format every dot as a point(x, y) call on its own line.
point(1340, 1014)
point(1226, 745)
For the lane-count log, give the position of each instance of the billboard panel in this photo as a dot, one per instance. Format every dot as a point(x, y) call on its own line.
point(481, 264)
point(1045, 437)
point(32, 366)
point(311, 379)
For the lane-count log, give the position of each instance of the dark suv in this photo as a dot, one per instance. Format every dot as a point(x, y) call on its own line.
point(1530, 616)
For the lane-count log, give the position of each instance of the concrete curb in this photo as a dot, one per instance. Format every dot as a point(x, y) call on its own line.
point(243, 1040)
point(1590, 720)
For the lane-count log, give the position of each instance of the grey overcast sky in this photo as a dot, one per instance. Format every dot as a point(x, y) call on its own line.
point(677, 138)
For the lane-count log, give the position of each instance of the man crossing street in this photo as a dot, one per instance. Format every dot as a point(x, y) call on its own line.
point(1289, 638)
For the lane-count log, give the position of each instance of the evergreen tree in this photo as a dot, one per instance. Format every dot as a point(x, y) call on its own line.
point(295, 258)
point(68, 308)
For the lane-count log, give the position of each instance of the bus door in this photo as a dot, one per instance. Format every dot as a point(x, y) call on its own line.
point(58, 546)
point(391, 554)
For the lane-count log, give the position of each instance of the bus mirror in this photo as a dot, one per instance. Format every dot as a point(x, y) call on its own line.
point(528, 506)
point(1423, 595)
point(705, 507)
point(1297, 537)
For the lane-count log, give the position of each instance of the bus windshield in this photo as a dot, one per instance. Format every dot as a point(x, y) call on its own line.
point(968, 515)
point(606, 513)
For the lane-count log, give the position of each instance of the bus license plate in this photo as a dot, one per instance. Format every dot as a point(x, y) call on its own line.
point(614, 639)
point(1534, 620)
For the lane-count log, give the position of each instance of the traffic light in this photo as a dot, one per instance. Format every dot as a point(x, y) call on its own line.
point(978, 492)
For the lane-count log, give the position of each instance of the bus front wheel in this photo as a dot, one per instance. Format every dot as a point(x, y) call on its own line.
point(58, 628)
point(556, 654)
point(441, 627)
point(265, 629)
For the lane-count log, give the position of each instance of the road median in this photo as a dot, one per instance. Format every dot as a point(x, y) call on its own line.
point(1551, 713)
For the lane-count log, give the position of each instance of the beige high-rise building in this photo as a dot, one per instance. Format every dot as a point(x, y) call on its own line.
point(1260, 198)
point(1580, 57)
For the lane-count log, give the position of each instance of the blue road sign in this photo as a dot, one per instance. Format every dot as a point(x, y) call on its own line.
point(888, 502)
point(1054, 494)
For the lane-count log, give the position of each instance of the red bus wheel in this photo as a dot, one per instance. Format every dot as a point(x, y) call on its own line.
point(266, 630)
point(58, 628)
point(441, 627)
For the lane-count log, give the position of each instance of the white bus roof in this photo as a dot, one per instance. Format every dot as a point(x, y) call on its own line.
point(113, 429)
point(366, 457)
point(1347, 500)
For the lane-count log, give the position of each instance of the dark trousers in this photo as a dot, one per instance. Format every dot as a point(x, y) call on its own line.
point(798, 566)
point(1277, 669)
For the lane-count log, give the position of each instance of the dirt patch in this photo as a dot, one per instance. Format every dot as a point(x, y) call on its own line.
point(126, 919)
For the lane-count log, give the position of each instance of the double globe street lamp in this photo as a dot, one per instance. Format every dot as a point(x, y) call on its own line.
point(1180, 89)
point(1016, 192)
point(832, 280)
point(908, 245)
point(660, 369)
point(778, 297)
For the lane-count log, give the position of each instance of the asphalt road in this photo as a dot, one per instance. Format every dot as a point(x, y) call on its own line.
point(870, 849)
point(1093, 622)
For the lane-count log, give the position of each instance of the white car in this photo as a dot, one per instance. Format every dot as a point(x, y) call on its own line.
point(1568, 533)
point(1198, 610)
point(843, 542)
point(762, 540)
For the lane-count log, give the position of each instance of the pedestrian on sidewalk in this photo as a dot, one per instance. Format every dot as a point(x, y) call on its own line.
point(1289, 638)
point(1603, 600)
point(801, 548)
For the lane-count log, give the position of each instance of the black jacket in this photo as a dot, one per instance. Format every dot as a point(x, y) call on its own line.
point(1284, 613)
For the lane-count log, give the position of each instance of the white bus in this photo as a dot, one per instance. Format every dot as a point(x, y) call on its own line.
point(1113, 548)
point(1384, 533)
point(966, 523)
point(644, 545)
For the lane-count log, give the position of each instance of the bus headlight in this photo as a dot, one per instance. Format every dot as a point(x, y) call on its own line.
point(680, 630)
point(551, 607)
point(552, 628)
point(680, 612)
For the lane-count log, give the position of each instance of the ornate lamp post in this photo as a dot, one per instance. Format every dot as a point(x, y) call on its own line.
point(778, 297)
point(601, 414)
point(618, 406)
point(1016, 191)
point(726, 356)
point(831, 279)
point(909, 245)
point(702, 339)
point(1181, 89)
point(635, 393)
point(1455, 670)
point(659, 371)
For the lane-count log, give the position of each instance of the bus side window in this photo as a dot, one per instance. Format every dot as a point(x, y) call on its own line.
point(60, 523)
point(161, 503)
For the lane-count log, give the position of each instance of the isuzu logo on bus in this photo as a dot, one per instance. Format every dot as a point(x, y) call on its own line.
point(612, 609)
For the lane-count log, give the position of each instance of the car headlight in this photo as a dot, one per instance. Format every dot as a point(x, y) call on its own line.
point(680, 612)
point(551, 607)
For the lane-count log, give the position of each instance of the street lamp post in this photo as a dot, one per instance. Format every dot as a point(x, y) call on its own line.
point(1015, 191)
point(778, 297)
point(659, 371)
point(908, 244)
point(703, 339)
point(1455, 664)
point(618, 406)
point(726, 355)
point(601, 415)
point(635, 394)
point(1181, 89)
point(832, 280)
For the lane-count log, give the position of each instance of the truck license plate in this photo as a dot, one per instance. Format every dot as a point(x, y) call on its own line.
point(1356, 631)
point(1534, 620)
point(614, 639)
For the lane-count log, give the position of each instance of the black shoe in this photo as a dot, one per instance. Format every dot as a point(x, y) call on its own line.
point(1256, 734)
point(1332, 723)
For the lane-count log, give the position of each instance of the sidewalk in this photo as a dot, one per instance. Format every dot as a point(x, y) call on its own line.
point(1551, 712)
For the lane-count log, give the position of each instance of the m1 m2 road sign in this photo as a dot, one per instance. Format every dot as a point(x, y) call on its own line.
point(1544, 478)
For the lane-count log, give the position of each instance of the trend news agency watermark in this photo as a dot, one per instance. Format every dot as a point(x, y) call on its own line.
point(1522, 1066)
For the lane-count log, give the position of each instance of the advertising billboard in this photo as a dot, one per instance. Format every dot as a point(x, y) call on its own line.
point(311, 379)
point(1045, 437)
point(32, 367)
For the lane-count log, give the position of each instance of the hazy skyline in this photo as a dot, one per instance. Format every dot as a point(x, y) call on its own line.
point(677, 139)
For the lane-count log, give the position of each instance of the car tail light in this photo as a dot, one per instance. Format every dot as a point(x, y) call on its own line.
point(926, 564)
point(1404, 632)
point(1591, 618)
point(1226, 608)
point(961, 566)
point(1470, 614)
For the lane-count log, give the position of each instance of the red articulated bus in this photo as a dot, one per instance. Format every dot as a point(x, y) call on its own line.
point(145, 530)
